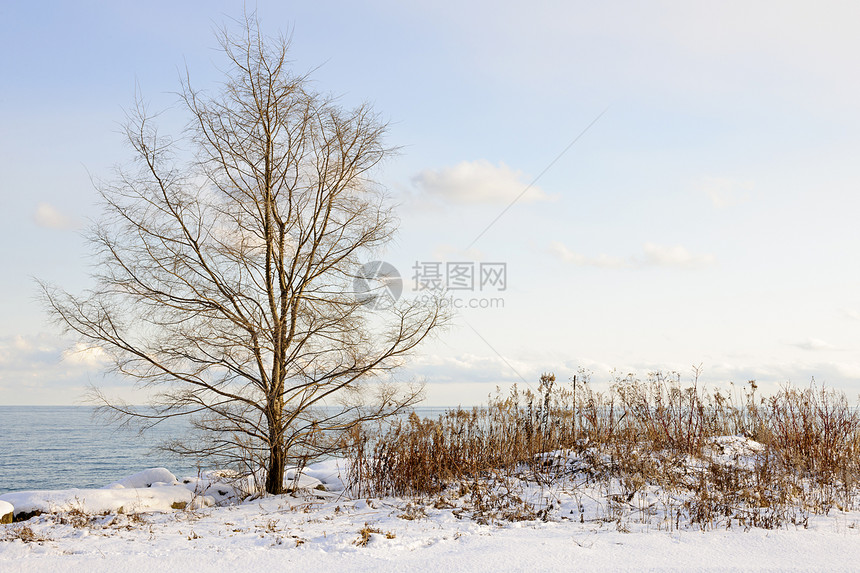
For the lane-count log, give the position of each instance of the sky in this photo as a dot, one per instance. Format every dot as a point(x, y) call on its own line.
point(668, 184)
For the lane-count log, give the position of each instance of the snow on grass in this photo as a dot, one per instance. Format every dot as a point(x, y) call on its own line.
point(585, 526)
point(734, 451)
point(296, 533)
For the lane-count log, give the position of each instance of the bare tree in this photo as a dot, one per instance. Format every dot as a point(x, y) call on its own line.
point(225, 281)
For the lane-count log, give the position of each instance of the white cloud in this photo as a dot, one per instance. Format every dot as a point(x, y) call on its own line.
point(468, 378)
point(46, 358)
point(47, 369)
point(769, 376)
point(850, 313)
point(724, 192)
point(653, 256)
point(814, 344)
point(465, 367)
point(91, 357)
point(478, 182)
point(21, 353)
point(674, 256)
point(445, 252)
point(50, 217)
point(560, 251)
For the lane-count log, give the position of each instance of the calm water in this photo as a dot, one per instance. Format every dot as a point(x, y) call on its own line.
point(58, 447)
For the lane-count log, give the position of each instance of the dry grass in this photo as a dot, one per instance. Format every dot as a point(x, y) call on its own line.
point(655, 433)
point(366, 534)
point(22, 533)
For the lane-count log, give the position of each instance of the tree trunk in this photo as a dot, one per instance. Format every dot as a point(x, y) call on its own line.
point(277, 457)
point(275, 473)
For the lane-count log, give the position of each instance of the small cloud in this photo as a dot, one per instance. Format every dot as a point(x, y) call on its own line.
point(850, 313)
point(653, 256)
point(675, 256)
point(447, 252)
point(814, 344)
point(725, 192)
point(478, 182)
point(50, 217)
point(465, 366)
point(47, 369)
point(560, 251)
point(20, 352)
point(89, 356)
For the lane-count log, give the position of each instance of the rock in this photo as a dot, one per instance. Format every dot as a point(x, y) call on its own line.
point(25, 515)
point(146, 478)
point(303, 481)
point(7, 512)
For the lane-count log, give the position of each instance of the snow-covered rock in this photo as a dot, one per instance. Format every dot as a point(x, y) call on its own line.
point(293, 481)
point(146, 478)
point(222, 486)
point(329, 474)
point(324, 475)
point(6, 512)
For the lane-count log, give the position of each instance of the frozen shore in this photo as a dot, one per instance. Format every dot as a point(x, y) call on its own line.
point(322, 528)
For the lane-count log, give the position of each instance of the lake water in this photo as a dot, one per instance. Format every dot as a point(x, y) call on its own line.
point(58, 447)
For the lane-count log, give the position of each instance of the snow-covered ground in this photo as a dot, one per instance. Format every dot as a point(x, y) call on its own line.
point(324, 529)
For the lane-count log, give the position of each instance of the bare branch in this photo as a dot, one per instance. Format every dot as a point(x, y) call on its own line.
point(224, 282)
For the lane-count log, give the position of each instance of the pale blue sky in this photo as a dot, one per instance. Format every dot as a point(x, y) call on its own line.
point(709, 216)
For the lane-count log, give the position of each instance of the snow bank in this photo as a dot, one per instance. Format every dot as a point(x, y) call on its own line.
point(157, 489)
point(222, 486)
point(146, 478)
point(327, 473)
point(306, 533)
point(154, 489)
point(93, 501)
point(301, 481)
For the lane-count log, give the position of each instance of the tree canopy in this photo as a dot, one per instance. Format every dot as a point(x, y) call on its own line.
point(226, 267)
